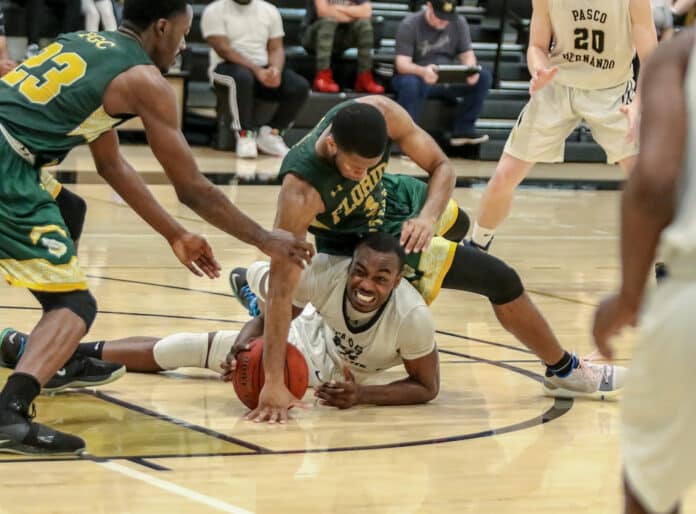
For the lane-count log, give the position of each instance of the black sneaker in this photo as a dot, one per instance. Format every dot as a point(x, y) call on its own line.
point(12, 345)
point(242, 291)
point(82, 371)
point(19, 434)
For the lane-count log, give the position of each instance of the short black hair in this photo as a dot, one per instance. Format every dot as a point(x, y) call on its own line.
point(383, 242)
point(360, 128)
point(142, 13)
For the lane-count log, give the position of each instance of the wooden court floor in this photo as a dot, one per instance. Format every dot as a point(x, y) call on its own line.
point(490, 443)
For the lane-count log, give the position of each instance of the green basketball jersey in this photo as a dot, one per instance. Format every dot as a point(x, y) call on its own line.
point(53, 102)
point(351, 208)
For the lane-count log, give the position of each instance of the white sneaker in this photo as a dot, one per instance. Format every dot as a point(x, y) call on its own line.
point(270, 142)
point(597, 381)
point(246, 145)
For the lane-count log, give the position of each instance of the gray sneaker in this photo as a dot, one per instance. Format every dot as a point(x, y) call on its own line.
point(596, 381)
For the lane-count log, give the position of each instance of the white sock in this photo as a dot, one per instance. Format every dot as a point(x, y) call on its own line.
point(482, 235)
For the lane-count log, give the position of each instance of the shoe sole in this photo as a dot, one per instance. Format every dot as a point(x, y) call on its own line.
point(22, 449)
point(86, 383)
point(2, 336)
point(461, 141)
point(559, 392)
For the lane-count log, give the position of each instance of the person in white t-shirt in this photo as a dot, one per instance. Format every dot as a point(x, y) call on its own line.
point(355, 319)
point(247, 56)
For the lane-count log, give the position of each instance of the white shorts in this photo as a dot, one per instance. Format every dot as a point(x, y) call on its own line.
point(554, 112)
point(659, 412)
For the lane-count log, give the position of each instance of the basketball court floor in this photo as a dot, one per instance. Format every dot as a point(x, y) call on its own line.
point(490, 442)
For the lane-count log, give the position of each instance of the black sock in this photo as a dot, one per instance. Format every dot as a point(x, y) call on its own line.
point(21, 388)
point(91, 349)
point(563, 367)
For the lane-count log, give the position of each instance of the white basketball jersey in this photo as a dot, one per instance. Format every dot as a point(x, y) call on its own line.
point(679, 239)
point(592, 42)
point(402, 329)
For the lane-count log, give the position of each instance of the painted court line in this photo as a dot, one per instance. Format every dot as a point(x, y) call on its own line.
point(173, 488)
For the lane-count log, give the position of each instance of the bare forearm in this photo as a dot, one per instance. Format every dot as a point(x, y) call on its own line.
point(536, 59)
point(468, 58)
point(282, 282)
point(213, 206)
point(440, 188)
point(645, 212)
point(251, 330)
point(131, 187)
point(276, 58)
point(403, 392)
point(3, 49)
point(409, 68)
point(356, 12)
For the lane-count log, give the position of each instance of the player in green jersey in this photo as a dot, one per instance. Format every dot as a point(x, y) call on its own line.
point(335, 186)
point(76, 91)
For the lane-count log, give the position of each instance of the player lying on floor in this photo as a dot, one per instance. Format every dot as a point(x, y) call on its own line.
point(370, 321)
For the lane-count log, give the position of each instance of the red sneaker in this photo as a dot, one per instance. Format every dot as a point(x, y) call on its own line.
point(365, 83)
point(324, 82)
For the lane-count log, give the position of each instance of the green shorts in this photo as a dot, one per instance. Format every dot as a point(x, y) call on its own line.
point(406, 196)
point(36, 250)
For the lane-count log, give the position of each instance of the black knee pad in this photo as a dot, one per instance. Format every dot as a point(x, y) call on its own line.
point(458, 231)
point(507, 285)
point(73, 209)
point(82, 303)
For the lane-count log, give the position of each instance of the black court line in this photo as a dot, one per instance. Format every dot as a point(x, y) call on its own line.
point(175, 421)
point(154, 284)
point(148, 464)
point(477, 340)
point(511, 361)
point(138, 314)
point(222, 320)
point(558, 409)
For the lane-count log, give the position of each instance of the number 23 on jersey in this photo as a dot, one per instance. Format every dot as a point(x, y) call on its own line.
point(67, 68)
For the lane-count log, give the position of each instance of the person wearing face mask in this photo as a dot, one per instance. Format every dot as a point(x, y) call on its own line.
point(247, 57)
point(439, 35)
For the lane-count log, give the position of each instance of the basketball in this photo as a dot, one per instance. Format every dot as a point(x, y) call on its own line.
point(249, 377)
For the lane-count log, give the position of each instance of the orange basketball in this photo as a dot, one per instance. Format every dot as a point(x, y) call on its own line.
point(249, 377)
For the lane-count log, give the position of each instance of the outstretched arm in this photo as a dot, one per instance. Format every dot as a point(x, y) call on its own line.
point(298, 205)
point(143, 91)
point(192, 250)
point(425, 152)
point(649, 197)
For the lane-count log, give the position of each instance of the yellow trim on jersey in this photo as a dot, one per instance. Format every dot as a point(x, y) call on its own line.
point(434, 263)
point(94, 125)
point(41, 275)
point(50, 183)
point(318, 224)
point(448, 218)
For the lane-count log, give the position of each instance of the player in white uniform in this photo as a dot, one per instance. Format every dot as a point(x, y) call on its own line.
point(364, 320)
point(659, 203)
point(587, 75)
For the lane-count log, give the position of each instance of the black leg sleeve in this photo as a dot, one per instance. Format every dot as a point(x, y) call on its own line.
point(478, 272)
